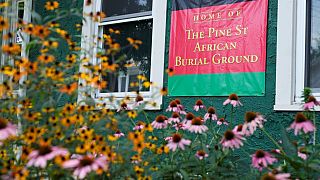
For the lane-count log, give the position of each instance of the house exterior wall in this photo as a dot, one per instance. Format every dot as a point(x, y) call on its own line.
point(275, 119)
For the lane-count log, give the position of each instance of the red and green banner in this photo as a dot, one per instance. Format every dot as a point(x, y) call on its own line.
point(218, 47)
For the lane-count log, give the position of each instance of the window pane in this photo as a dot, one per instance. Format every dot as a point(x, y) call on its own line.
point(139, 59)
point(123, 7)
point(315, 45)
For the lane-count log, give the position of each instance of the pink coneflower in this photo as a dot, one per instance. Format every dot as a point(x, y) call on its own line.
point(123, 106)
point(160, 122)
point(7, 129)
point(85, 164)
point(222, 121)
point(187, 120)
point(311, 102)
point(302, 153)
point(302, 123)
point(262, 159)
point(118, 134)
point(138, 100)
point(177, 141)
point(168, 138)
point(179, 126)
point(197, 126)
point(39, 158)
point(201, 154)
point(232, 139)
point(211, 114)
point(199, 105)
point(238, 129)
point(175, 118)
point(173, 106)
point(252, 121)
point(276, 176)
point(233, 99)
point(138, 126)
point(180, 106)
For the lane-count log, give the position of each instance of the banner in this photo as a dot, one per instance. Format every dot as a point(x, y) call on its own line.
point(218, 47)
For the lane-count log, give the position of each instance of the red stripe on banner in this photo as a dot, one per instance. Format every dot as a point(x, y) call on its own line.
point(219, 39)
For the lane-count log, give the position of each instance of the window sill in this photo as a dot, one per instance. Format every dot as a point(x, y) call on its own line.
point(291, 107)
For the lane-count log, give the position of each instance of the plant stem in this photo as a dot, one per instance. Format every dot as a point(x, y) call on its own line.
point(273, 140)
point(315, 129)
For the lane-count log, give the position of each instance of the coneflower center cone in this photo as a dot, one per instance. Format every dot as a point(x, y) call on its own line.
point(300, 118)
point(229, 135)
point(176, 138)
point(86, 161)
point(196, 121)
point(3, 123)
point(250, 116)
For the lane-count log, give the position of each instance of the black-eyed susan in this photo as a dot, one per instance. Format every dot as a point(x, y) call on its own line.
point(41, 31)
point(3, 23)
point(51, 5)
point(69, 108)
point(163, 149)
point(46, 58)
point(164, 91)
point(136, 137)
point(132, 114)
point(50, 44)
point(32, 116)
point(69, 88)
point(11, 49)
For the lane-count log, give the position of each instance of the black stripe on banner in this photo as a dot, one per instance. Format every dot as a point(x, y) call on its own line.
point(191, 4)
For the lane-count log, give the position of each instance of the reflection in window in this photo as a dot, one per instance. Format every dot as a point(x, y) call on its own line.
point(315, 45)
point(139, 59)
point(124, 7)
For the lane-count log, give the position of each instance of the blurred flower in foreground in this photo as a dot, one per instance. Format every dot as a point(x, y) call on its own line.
point(262, 159)
point(6, 129)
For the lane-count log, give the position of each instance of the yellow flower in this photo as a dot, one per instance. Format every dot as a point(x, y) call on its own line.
point(44, 58)
point(51, 5)
point(148, 127)
point(11, 48)
point(51, 44)
point(112, 138)
point(5, 4)
point(3, 154)
point(69, 88)
point(150, 146)
point(132, 114)
point(3, 23)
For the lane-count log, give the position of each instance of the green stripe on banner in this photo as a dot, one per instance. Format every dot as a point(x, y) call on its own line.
point(243, 84)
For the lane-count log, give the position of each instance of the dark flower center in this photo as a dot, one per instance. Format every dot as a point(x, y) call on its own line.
point(240, 126)
point(43, 150)
point(268, 176)
point(211, 110)
point(139, 98)
point(196, 121)
point(3, 123)
point(229, 135)
point(233, 97)
point(312, 99)
point(201, 153)
point(173, 104)
point(199, 103)
point(250, 116)
point(189, 116)
point(260, 154)
point(124, 105)
point(176, 138)
point(300, 118)
point(178, 101)
point(86, 161)
point(161, 118)
point(175, 115)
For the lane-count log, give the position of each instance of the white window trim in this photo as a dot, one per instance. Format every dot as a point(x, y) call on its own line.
point(290, 65)
point(157, 53)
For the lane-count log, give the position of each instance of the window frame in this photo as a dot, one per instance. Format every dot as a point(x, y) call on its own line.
point(291, 55)
point(159, 8)
point(26, 37)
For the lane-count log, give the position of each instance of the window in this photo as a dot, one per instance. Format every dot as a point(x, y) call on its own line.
point(22, 9)
point(143, 20)
point(298, 47)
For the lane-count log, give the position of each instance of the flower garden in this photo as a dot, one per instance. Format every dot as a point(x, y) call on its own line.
point(42, 137)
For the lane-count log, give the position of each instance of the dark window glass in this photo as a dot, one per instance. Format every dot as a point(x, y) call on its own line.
point(124, 7)
point(20, 9)
point(140, 59)
point(314, 29)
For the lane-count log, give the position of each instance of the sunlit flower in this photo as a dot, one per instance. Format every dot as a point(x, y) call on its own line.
point(233, 99)
point(277, 176)
point(262, 159)
point(201, 154)
point(199, 105)
point(211, 114)
point(3, 23)
point(252, 121)
point(175, 118)
point(83, 165)
point(69, 88)
point(160, 122)
point(7, 129)
point(302, 123)
point(39, 158)
point(232, 139)
point(178, 142)
point(11, 49)
point(51, 5)
point(123, 106)
point(311, 102)
point(138, 100)
point(197, 126)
